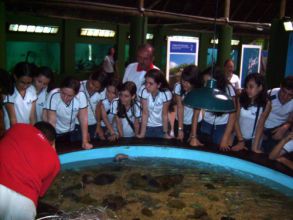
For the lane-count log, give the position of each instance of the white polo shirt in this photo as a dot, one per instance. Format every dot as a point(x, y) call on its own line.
point(279, 113)
point(92, 100)
point(247, 119)
point(66, 114)
point(288, 147)
point(131, 74)
point(107, 106)
point(155, 106)
point(132, 113)
point(212, 119)
point(235, 81)
point(40, 103)
point(188, 112)
point(22, 106)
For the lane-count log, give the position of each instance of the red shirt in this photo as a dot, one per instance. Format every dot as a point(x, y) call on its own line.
point(28, 163)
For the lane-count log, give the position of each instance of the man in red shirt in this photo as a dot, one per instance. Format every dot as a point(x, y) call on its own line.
point(28, 165)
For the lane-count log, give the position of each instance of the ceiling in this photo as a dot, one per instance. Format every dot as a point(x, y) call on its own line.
point(245, 15)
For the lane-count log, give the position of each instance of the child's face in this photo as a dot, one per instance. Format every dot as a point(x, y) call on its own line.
point(22, 83)
point(285, 95)
point(186, 85)
point(41, 82)
point(94, 85)
point(206, 78)
point(67, 94)
point(252, 89)
point(111, 93)
point(125, 97)
point(151, 86)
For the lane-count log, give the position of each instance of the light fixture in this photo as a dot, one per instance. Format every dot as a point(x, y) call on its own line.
point(93, 32)
point(288, 25)
point(209, 97)
point(149, 36)
point(33, 28)
point(233, 41)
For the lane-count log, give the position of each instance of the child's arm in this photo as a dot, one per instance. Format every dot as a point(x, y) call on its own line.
point(136, 126)
point(259, 128)
point(144, 118)
point(11, 113)
point(83, 121)
point(165, 119)
point(276, 152)
point(119, 125)
point(32, 117)
point(99, 130)
point(106, 121)
point(240, 144)
point(193, 141)
point(180, 113)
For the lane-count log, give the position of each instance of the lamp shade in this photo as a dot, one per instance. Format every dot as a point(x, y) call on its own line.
point(209, 98)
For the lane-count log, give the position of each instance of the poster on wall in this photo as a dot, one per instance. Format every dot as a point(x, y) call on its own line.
point(289, 61)
point(250, 61)
point(181, 52)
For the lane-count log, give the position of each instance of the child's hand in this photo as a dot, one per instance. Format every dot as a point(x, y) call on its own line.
point(87, 146)
point(167, 136)
point(100, 133)
point(180, 135)
point(113, 137)
point(140, 136)
point(193, 141)
point(239, 146)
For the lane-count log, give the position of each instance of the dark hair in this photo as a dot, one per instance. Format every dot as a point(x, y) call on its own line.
point(227, 61)
point(147, 47)
point(6, 83)
point(222, 81)
point(207, 71)
point(24, 69)
point(158, 77)
point(131, 88)
point(191, 74)
point(72, 83)
point(47, 130)
point(48, 73)
point(287, 83)
point(114, 82)
point(261, 99)
point(101, 76)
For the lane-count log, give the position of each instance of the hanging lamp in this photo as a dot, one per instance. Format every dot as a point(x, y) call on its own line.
point(209, 97)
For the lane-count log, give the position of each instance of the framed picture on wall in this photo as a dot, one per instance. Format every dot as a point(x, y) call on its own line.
point(181, 52)
point(250, 61)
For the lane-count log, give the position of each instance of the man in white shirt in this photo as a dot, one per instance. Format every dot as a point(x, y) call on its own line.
point(233, 78)
point(135, 71)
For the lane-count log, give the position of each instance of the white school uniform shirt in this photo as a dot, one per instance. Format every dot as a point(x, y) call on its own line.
point(288, 147)
point(155, 106)
point(92, 100)
point(212, 119)
point(131, 74)
point(40, 103)
point(279, 113)
point(108, 64)
point(235, 81)
point(188, 112)
point(107, 106)
point(247, 119)
point(22, 106)
point(132, 113)
point(66, 115)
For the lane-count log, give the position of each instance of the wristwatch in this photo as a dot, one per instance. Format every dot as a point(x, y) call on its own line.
point(180, 129)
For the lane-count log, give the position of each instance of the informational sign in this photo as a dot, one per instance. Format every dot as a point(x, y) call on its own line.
point(250, 61)
point(289, 61)
point(181, 52)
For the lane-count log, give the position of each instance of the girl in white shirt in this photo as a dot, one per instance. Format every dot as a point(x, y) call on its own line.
point(20, 107)
point(218, 127)
point(252, 111)
point(108, 124)
point(189, 80)
point(155, 100)
point(127, 111)
point(41, 81)
point(64, 105)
